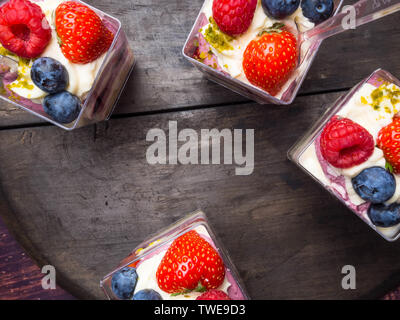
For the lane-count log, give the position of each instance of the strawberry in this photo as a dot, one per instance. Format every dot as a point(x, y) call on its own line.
point(83, 36)
point(213, 295)
point(345, 144)
point(389, 142)
point(270, 59)
point(24, 29)
point(190, 263)
point(234, 17)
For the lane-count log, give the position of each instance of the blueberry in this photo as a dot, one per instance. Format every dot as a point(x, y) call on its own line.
point(123, 283)
point(279, 9)
point(317, 10)
point(49, 75)
point(147, 294)
point(63, 107)
point(374, 184)
point(384, 216)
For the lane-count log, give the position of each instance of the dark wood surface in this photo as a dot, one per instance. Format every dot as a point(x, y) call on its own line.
point(82, 200)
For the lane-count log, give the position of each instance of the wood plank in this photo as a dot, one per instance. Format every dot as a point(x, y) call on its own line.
point(164, 80)
point(20, 277)
point(82, 200)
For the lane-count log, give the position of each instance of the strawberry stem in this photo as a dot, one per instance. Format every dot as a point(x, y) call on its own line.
point(199, 288)
point(388, 167)
point(275, 28)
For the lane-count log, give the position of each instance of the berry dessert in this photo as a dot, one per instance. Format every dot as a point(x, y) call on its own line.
point(356, 153)
point(186, 266)
point(255, 41)
point(213, 294)
point(60, 48)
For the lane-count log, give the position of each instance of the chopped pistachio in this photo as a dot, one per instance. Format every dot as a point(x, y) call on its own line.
point(203, 55)
point(363, 100)
point(216, 38)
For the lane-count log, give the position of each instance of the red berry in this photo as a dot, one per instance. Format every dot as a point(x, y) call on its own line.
point(389, 142)
point(84, 38)
point(24, 29)
point(345, 144)
point(188, 262)
point(270, 59)
point(214, 295)
point(234, 17)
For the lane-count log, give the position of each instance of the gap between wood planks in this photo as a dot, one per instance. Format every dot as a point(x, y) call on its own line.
point(172, 110)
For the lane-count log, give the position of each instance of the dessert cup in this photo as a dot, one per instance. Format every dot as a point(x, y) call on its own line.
point(287, 93)
point(307, 157)
point(98, 103)
point(156, 246)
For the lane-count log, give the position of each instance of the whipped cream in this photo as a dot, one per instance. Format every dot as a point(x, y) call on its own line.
point(231, 60)
point(361, 109)
point(147, 269)
point(81, 76)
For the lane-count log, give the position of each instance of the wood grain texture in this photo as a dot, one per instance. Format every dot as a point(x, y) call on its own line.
point(20, 277)
point(164, 80)
point(82, 200)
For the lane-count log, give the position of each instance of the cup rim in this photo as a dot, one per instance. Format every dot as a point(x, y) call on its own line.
point(90, 92)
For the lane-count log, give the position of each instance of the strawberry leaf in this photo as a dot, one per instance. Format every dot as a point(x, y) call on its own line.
point(389, 167)
point(199, 288)
point(275, 28)
point(181, 292)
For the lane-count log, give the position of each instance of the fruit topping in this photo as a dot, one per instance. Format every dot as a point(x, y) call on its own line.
point(234, 17)
point(63, 106)
point(83, 36)
point(279, 9)
point(49, 75)
point(219, 40)
point(345, 144)
point(147, 294)
point(270, 59)
point(123, 283)
point(190, 264)
point(374, 184)
point(24, 29)
point(317, 10)
point(389, 141)
point(384, 216)
point(214, 295)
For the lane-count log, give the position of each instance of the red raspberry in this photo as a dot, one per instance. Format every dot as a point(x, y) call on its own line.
point(389, 142)
point(234, 17)
point(214, 295)
point(24, 29)
point(345, 144)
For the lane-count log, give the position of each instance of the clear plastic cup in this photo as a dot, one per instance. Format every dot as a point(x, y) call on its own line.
point(154, 248)
point(303, 155)
point(99, 102)
point(287, 94)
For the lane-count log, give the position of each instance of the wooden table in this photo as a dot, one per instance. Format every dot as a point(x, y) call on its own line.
point(82, 200)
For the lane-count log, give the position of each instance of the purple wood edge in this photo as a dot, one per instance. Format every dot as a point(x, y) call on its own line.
point(20, 277)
